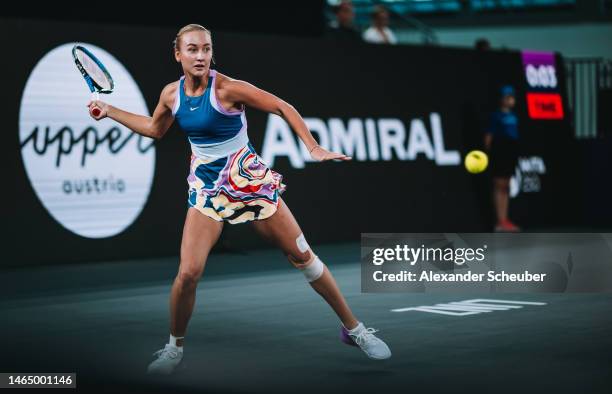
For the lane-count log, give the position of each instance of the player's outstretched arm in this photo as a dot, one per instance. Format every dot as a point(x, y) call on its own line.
point(150, 126)
point(244, 93)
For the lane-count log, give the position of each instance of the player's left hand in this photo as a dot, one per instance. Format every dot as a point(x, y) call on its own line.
point(319, 153)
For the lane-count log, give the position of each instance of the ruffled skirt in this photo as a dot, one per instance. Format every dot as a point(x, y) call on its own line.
point(237, 188)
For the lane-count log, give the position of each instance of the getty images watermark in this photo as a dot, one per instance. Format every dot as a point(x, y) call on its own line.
point(518, 263)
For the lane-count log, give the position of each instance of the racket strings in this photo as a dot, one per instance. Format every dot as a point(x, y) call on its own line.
point(97, 75)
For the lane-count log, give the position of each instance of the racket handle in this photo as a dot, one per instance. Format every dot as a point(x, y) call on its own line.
point(96, 111)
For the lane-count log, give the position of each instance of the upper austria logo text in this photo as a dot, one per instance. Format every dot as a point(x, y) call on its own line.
point(94, 178)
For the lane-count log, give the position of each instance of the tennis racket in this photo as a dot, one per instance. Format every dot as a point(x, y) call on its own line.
point(95, 74)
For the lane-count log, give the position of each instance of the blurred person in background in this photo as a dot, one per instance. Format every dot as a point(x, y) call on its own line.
point(501, 142)
point(343, 27)
point(482, 44)
point(379, 32)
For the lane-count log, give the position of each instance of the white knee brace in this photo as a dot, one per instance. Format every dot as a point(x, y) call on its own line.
point(314, 270)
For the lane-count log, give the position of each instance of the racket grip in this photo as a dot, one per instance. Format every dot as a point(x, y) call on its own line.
point(96, 111)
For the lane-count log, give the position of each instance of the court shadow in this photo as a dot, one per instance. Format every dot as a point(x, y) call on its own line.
point(367, 373)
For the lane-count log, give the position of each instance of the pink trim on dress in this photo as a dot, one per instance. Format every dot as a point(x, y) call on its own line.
point(217, 104)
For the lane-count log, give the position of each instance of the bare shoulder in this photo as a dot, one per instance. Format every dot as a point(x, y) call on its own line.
point(225, 82)
point(170, 89)
point(168, 94)
point(222, 78)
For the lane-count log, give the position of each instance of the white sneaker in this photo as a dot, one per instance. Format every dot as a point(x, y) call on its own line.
point(365, 339)
point(167, 360)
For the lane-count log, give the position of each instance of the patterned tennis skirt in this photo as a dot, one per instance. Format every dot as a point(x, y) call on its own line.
point(237, 188)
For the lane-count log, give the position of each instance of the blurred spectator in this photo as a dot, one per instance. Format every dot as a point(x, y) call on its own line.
point(379, 32)
point(482, 44)
point(342, 27)
point(501, 141)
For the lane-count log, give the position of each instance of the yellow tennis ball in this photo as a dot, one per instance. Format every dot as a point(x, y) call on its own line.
point(476, 161)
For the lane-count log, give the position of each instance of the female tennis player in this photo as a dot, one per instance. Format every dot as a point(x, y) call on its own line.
point(229, 182)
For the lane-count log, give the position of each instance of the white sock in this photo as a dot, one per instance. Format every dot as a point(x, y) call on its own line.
point(173, 341)
point(356, 329)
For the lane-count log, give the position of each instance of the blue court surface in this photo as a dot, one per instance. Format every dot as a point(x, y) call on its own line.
point(258, 327)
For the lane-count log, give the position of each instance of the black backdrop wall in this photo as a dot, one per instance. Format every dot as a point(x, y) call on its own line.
point(440, 96)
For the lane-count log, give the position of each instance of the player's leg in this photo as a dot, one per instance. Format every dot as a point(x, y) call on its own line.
point(200, 233)
point(283, 230)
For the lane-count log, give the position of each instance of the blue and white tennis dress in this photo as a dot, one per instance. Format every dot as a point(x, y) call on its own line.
point(227, 179)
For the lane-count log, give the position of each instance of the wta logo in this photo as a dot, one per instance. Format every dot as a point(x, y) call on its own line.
point(527, 176)
point(92, 177)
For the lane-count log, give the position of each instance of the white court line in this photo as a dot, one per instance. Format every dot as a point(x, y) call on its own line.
point(470, 307)
point(506, 301)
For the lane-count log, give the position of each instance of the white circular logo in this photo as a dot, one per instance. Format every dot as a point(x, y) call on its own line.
point(93, 177)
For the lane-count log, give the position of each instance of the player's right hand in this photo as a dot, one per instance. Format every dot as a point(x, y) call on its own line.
point(102, 106)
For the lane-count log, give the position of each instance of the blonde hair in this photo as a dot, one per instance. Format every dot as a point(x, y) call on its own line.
point(187, 29)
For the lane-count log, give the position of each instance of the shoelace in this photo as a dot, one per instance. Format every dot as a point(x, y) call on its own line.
point(364, 335)
point(166, 353)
